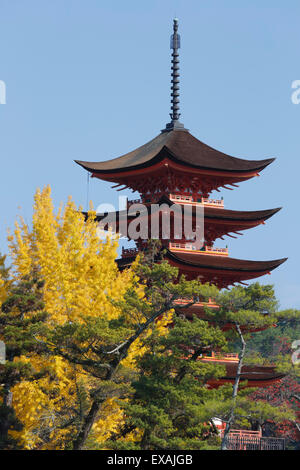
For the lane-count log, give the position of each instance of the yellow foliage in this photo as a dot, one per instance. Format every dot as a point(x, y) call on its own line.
point(78, 268)
point(80, 279)
point(110, 421)
point(38, 403)
point(2, 290)
point(137, 349)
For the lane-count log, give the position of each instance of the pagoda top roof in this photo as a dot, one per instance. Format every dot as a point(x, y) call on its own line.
point(181, 147)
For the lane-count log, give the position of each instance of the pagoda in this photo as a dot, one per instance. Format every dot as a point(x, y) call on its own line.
point(177, 169)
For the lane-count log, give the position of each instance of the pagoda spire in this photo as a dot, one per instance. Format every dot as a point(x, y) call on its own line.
point(175, 114)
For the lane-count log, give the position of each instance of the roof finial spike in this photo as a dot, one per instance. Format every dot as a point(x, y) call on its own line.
point(175, 45)
point(175, 114)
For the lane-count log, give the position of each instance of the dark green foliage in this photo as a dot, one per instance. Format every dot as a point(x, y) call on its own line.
point(266, 342)
point(166, 400)
point(99, 345)
point(171, 407)
point(21, 313)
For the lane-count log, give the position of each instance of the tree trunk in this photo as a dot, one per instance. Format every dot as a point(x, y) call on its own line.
point(87, 425)
point(235, 389)
point(122, 351)
point(5, 422)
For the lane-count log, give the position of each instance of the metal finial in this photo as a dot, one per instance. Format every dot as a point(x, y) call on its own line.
point(175, 45)
point(175, 114)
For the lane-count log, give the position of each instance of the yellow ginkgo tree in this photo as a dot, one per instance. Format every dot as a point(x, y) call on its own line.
point(80, 282)
point(95, 319)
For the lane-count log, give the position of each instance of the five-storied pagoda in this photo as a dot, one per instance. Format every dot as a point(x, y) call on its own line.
point(176, 168)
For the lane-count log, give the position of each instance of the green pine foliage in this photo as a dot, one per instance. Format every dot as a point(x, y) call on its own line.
point(21, 313)
point(171, 407)
point(100, 345)
point(166, 399)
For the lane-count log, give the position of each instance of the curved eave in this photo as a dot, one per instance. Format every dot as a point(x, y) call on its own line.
point(251, 382)
point(181, 148)
point(124, 263)
point(214, 264)
point(230, 215)
point(219, 263)
point(217, 214)
point(260, 375)
point(226, 214)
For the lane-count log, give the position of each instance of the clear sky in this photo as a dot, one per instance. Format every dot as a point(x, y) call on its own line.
point(89, 80)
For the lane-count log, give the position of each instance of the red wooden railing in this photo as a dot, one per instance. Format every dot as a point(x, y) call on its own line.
point(203, 200)
point(208, 250)
point(243, 439)
point(185, 199)
point(128, 252)
point(234, 442)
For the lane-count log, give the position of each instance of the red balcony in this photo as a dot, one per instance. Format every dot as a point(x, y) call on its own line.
point(252, 440)
point(221, 357)
point(206, 250)
point(243, 439)
point(129, 252)
point(185, 199)
point(182, 199)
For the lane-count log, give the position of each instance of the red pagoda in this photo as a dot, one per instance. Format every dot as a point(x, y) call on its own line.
point(175, 168)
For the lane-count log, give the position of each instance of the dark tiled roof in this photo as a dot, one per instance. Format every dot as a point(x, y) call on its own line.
point(216, 213)
point(256, 372)
point(214, 262)
point(181, 147)
point(212, 213)
point(223, 262)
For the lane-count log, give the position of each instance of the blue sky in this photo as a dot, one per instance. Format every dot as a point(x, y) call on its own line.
point(89, 80)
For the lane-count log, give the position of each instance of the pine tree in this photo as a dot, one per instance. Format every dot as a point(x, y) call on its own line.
point(171, 407)
point(21, 312)
point(80, 283)
point(108, 348)
point(82, 370)
point(284, 394)
point(254, 307)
